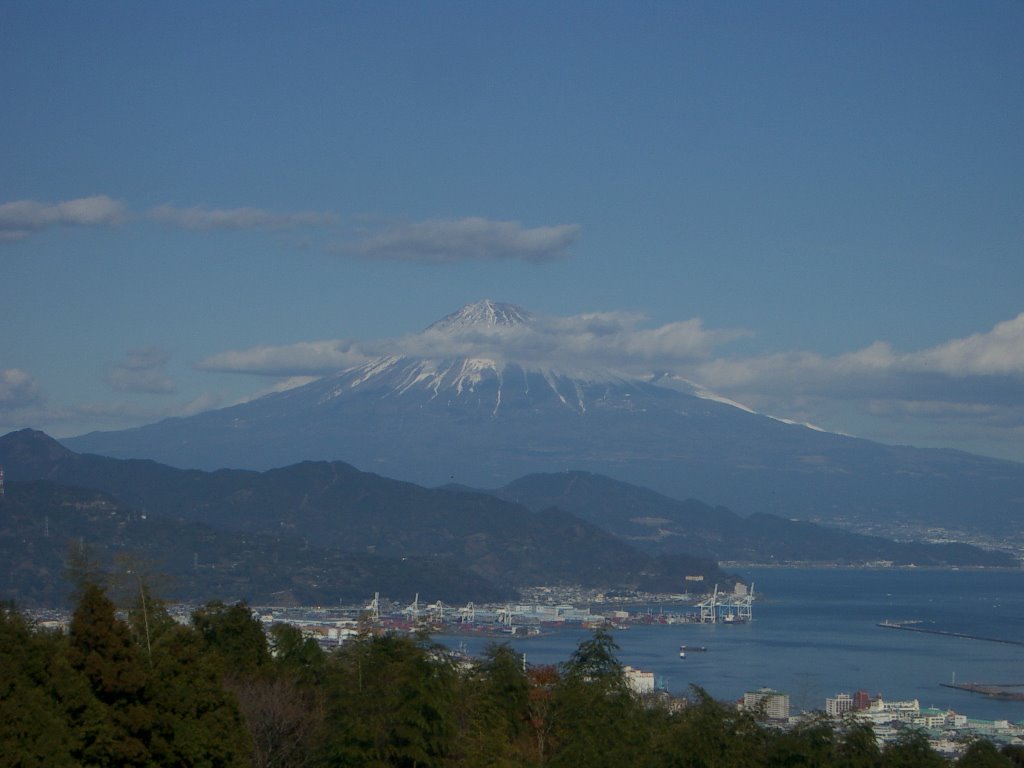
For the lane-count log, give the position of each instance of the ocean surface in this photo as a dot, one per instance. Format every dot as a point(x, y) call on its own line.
point(815, 634)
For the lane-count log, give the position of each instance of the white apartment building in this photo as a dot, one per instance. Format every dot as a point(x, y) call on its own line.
point(776, 703)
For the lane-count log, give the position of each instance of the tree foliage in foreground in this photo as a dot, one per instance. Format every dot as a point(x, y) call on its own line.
point(147, 691)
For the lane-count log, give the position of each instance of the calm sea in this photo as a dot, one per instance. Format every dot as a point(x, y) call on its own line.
point(814, 634)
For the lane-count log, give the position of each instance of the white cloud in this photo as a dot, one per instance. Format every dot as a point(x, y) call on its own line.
point(447, 241)
point(998, 352)
point(982, 365)
point(302, 359)
point(18, 389)
point(201, 219)
point(965, 392)
point(21, 218)
point(143, 370)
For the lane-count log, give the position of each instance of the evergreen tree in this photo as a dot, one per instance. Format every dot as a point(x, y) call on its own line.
point(100, 647)
point(296, 656)
point(492, 711)
point(708, 734)
point(234, 636)
point(389, 702)
point(34, 730)
point(810, 744)
point(504, 687)
point(197, 722)
point(911, 750)
point(856, 746)
point(1014, 753)
point(598, 719)
point(982, 753)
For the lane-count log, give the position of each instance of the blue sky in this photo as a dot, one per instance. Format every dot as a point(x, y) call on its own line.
point(816, 209)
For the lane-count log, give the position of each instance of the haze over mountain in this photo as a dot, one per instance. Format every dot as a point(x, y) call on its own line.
point(479, 399)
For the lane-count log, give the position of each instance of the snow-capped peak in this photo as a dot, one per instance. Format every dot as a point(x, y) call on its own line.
point(483, 314)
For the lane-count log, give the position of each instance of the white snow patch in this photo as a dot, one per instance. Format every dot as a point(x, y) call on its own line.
point(373, 368)
point(417, 374)
point(554, 387)
point(580, 398)
point(797, 423)
point(704, 394)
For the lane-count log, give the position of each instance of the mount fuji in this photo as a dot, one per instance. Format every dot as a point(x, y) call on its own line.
point(476, 399)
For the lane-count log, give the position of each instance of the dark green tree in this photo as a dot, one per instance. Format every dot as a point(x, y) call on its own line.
point(501, 677)
point(595, 661)
point(856, 746)
point(982, 753)
point(810, 744)
point(389, 702)
point(598, 719)
point(34, 729)
point(100, 648)
point(709, 734)
point(196, 721)
point(1015, 754)
point(911, 750)
point(492, 712)
point(296, 656)
point(234, 635)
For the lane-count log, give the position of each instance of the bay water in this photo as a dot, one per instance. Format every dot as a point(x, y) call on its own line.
point(815, 634)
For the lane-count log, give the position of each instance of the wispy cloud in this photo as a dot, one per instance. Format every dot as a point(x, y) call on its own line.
point(200, 219)
point(18, 389)
point(448, 241)
point(619, 340)
point(21, 218)
point(983, 366)
point(309, 358)
point(142, 370)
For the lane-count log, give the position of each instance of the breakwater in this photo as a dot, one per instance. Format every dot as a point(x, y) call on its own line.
point(992, 690)
point(910, 627)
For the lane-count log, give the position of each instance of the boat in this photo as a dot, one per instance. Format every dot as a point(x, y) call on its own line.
point(692, 648)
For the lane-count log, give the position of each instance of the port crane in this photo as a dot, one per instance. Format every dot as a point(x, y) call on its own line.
point(733, 609)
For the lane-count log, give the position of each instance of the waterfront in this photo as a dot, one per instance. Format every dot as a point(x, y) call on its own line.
point(815, 634)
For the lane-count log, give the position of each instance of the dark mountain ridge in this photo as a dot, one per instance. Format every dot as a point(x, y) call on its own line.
point(659, 524)
point(43, 524)
point(331, 505)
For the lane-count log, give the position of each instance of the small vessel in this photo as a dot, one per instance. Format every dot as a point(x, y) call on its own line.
point(692, 648)
point(682, 651)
